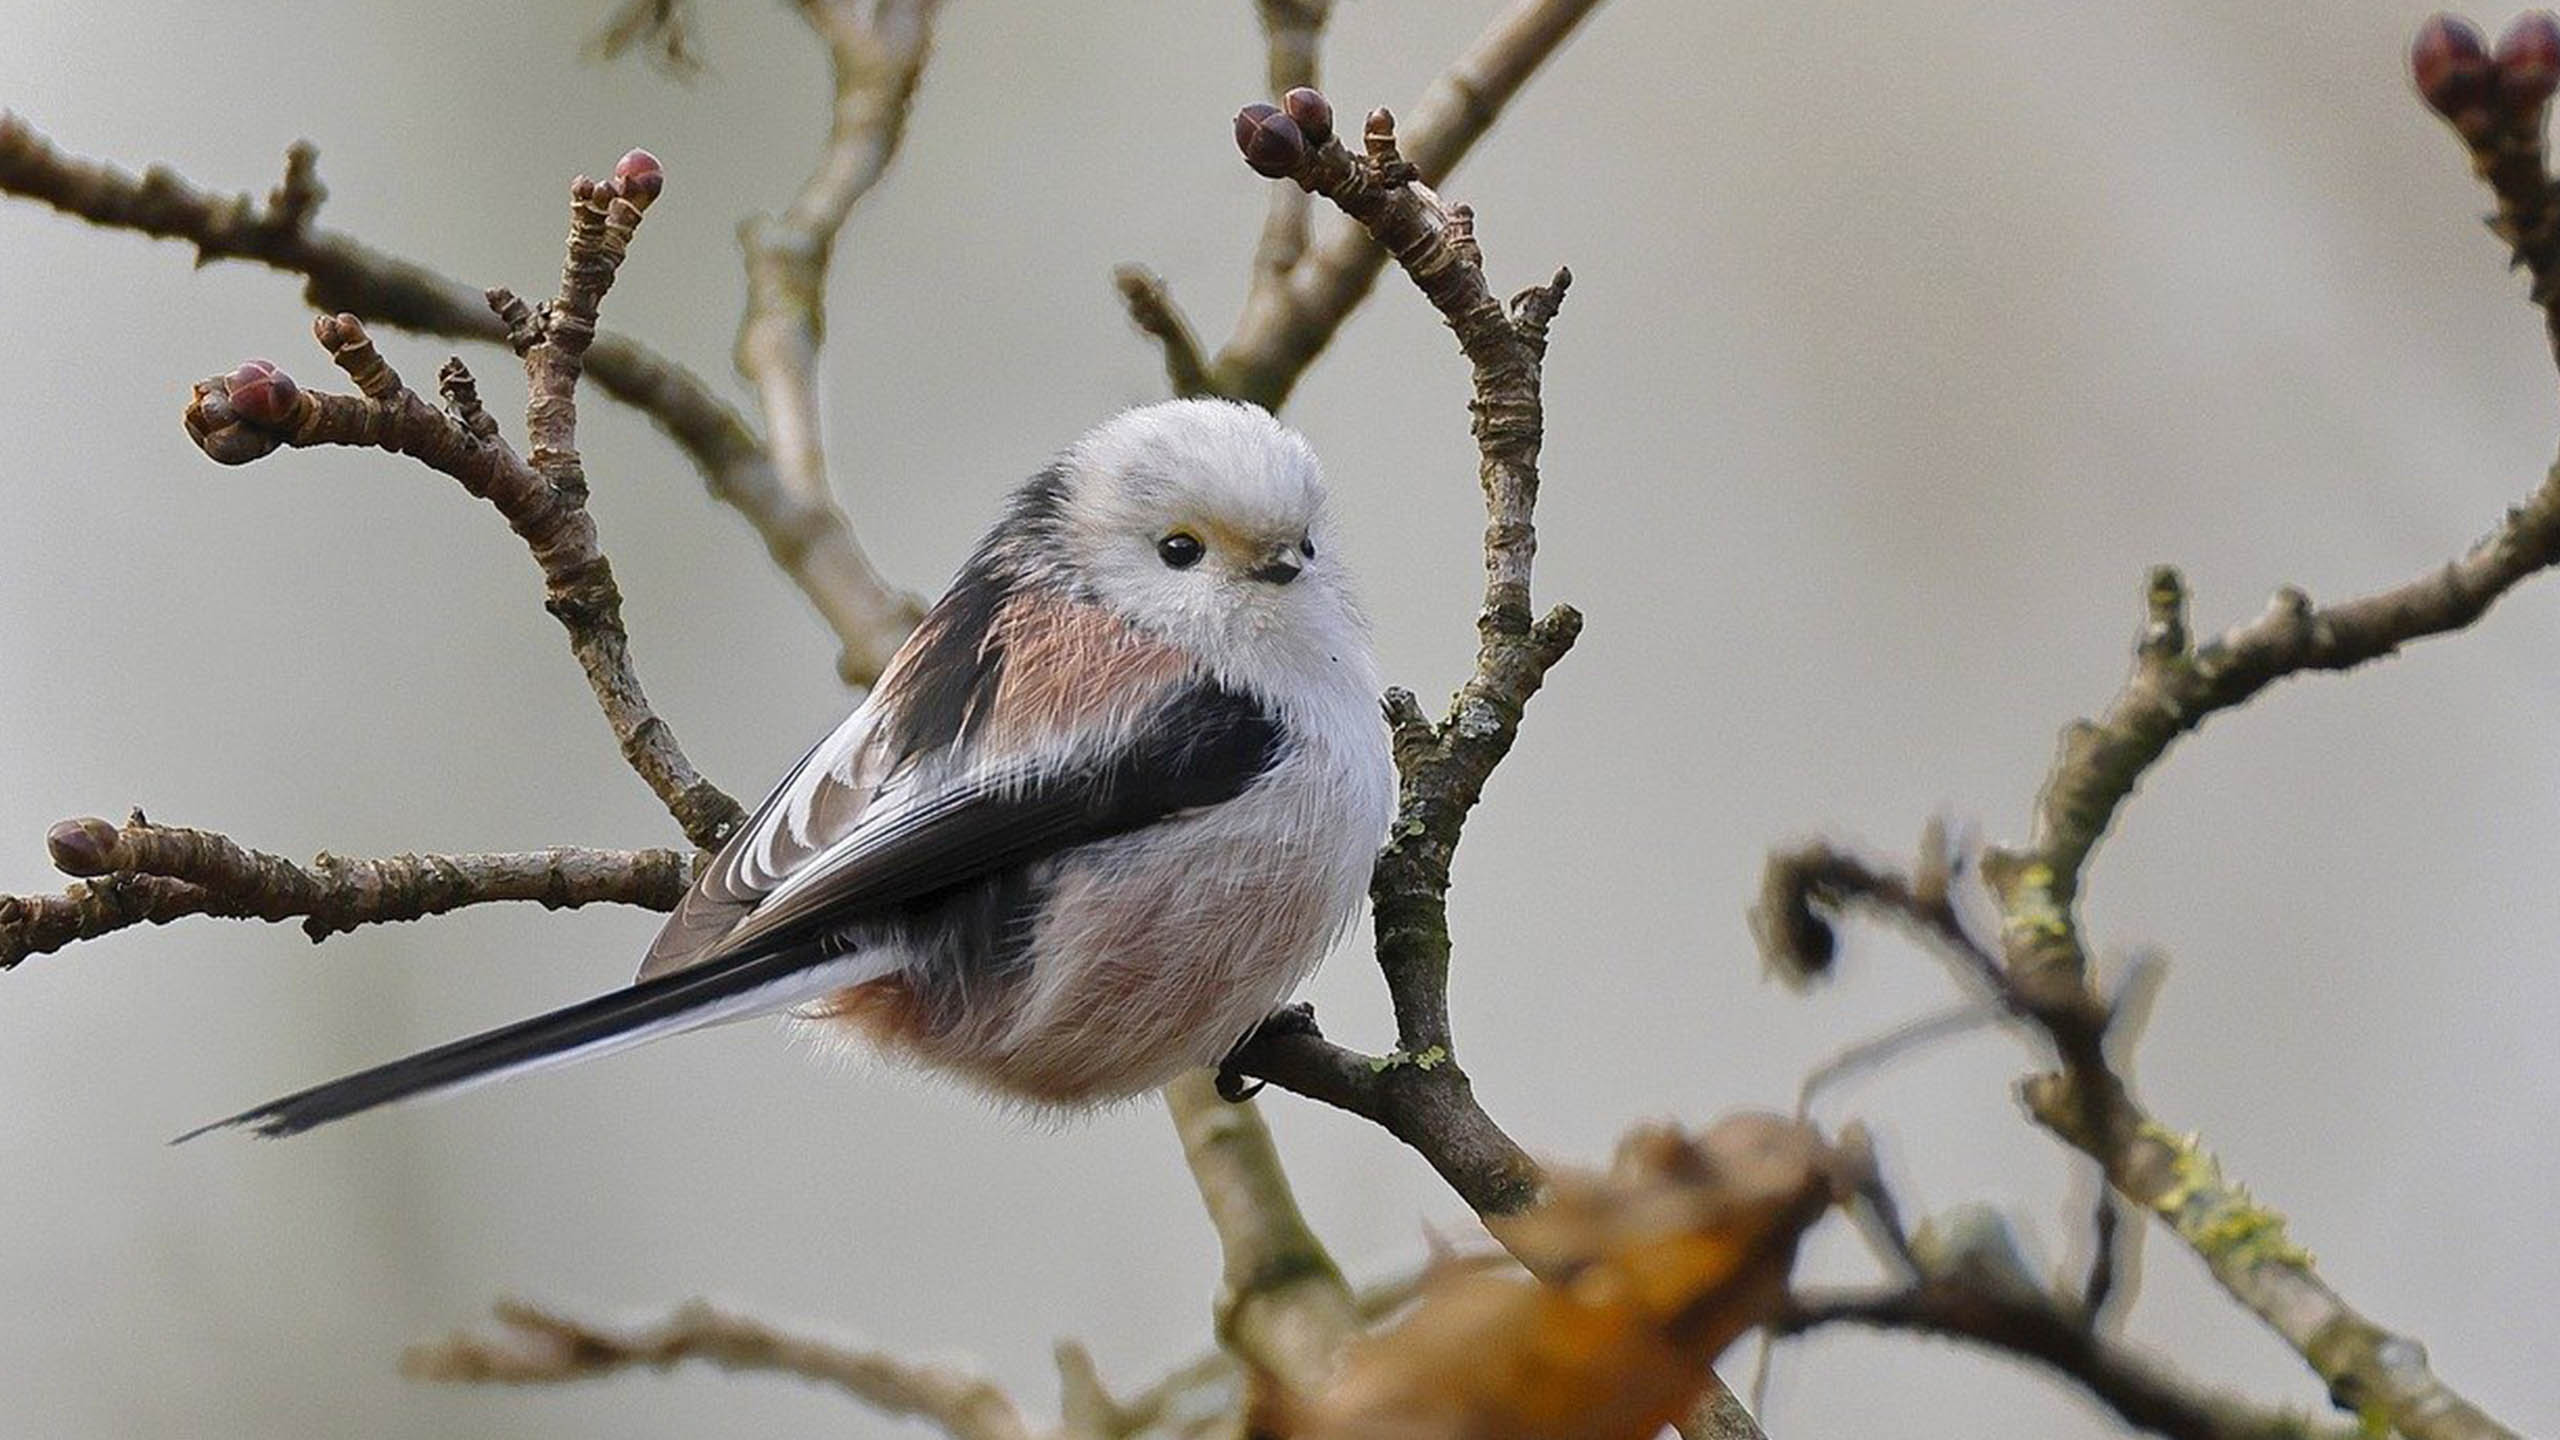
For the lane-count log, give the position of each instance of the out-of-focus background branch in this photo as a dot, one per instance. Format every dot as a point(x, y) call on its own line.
point(876, 53)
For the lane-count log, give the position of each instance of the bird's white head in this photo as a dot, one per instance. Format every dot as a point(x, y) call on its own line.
point(1204, 521)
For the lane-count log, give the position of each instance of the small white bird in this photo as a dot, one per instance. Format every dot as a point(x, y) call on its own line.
point(1110, 803)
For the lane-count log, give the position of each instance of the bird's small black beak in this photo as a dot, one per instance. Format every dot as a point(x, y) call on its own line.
point(1280, 566)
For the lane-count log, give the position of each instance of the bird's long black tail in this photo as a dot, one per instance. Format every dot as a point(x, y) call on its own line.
point(730, 989)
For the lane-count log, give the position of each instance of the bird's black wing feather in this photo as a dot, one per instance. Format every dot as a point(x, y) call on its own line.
point(1205, 746)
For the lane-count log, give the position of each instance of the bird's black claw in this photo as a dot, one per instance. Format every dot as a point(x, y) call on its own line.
point(1296, 1018)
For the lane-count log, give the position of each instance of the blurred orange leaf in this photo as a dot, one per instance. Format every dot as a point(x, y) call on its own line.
point(1646, 1274)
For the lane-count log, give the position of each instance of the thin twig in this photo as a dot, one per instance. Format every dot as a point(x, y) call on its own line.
point(1153, 311)
point(1893, 1044)
point(1283, 1306)
point(255, 409)
point(2143, 1392)
point(541, 1347)
point(1420, 1093)
point(812, 543)
point(1276, 339)
point(142, 872)
point(2088, 1102)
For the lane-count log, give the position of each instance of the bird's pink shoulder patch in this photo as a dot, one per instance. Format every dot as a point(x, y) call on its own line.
point(1074, 669)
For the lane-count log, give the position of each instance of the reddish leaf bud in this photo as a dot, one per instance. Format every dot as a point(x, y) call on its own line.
point(82, 847)
point(337, 332)
point(218, 429)
point(641, 178)
point(262, 394)
point(2452, 67)
point(1272, 143)
point(2528, 60)
point(1312, 111)
point(209, 406)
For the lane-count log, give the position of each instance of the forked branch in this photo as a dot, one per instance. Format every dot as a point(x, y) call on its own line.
point(1306, 284)
point(252, 411)
point(811, 541)
point(2498, 102)
point(1419, 1092)
point(2088, 1102)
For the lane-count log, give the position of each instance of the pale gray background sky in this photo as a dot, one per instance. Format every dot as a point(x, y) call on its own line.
point(1904, 337)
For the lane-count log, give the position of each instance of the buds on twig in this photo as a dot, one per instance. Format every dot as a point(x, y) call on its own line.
point(2484, 92)
point(1273, 144)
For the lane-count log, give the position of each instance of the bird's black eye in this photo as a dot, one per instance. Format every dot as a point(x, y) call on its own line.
point(1307, 546)
point(1181, 550)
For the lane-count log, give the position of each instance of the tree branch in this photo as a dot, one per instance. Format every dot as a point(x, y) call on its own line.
point(812, 543)
point(143, 872)
point(1293, 38)
point(2141, 1391)
point(541, 1348)
point(1437, 1115)
point(1283, 1306)
point(2498, 103)
point(1420, 1093)
point(1275, 341)
point(2088, 1103)
point(1153, 311)
point(249, 413)
point(876, 53)
point(1302, 290)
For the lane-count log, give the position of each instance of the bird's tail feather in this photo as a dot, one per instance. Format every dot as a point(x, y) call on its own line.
point(669, 1004)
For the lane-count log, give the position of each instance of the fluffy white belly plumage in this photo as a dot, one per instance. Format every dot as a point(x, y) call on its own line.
point(1155, 952)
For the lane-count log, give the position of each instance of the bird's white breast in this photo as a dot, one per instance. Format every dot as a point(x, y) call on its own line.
point(1157, 951)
